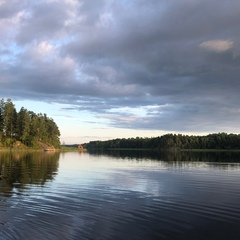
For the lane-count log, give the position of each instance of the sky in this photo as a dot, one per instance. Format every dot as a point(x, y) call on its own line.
point(105, 69)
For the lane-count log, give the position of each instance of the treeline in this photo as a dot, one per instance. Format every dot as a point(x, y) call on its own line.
point(172, 142)
point(25, 126)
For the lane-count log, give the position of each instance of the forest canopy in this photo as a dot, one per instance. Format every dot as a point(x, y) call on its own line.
point(172, 142)
point(29, 128)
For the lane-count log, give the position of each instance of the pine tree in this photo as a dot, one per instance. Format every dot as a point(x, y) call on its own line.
point(26, 126)
point(9, 119)
point(23, 125)
point(2, 107)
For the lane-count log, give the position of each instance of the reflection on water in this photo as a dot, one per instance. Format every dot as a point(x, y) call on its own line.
point(228, 159)
point(120, 195)
point(191, 156)
point(17, 169)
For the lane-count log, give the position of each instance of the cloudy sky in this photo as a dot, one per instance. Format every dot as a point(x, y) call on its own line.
point(105, 69)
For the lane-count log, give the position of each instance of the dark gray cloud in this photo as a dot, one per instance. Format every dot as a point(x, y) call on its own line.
point(43, 20)
point(11, 7)
point(177, 62)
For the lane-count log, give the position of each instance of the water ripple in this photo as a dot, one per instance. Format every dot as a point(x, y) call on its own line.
point(124, 200)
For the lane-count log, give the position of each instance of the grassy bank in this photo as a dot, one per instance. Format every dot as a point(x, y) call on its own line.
point(68, 149)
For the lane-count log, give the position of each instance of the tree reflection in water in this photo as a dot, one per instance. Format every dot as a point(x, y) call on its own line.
point(221, 159)
point(18, 169)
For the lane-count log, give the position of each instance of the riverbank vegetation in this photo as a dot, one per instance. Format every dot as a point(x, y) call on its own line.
point(69, 148)
point(26, 129)
point(214, 141)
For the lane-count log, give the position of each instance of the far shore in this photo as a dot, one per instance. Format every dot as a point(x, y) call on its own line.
point(167, 150)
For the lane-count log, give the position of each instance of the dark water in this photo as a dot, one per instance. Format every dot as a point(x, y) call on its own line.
point(120, 195)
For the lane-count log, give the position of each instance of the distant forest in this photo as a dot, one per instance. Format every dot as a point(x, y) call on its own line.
point(172, 142)
point(26, 127)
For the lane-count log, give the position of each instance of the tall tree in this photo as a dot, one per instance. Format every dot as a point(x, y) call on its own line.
point(2, 107)
point(10, 119)
point(26, 126)
point(23, 125)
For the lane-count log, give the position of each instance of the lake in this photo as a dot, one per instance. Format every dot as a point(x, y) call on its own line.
point(120, 195)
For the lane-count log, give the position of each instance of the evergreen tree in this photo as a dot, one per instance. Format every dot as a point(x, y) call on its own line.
point(32, 129)
point(172, 142)
point(2, 107)
point(23, 125)
point(9, 120)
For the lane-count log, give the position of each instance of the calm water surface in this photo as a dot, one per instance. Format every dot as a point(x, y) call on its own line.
point(119, 195)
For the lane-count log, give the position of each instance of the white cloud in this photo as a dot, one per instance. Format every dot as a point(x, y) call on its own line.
point(217, 45)
point(19, 16)
point(44, 48)
point(72, 2)
point(68, 62)
point(105, 20)
point(114, 117)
